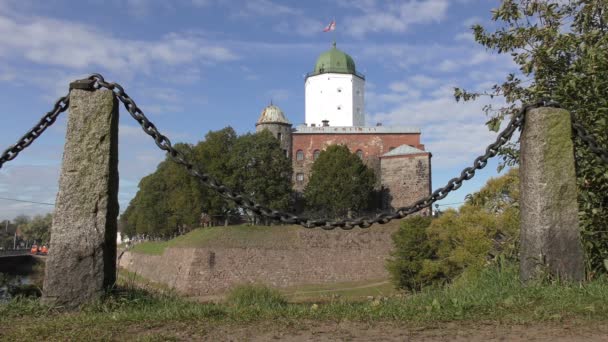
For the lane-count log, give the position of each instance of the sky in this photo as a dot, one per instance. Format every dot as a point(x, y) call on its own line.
point(199, 65)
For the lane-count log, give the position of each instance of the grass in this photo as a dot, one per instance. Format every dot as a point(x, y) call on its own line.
point(351, 291)
point(495, 295)
point(229, 236)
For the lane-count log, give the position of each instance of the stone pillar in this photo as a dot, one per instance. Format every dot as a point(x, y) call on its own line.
point(82, 256)
point(550, 237)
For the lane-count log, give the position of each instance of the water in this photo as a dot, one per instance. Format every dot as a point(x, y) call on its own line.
point(21, 275)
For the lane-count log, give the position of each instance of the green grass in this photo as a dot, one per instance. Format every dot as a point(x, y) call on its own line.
point(230, 236)
point(256, 296)
point(351, 291)
point(495, 295)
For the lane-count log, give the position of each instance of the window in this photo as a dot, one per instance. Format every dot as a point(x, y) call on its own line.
point(315, 154)
point(360, 154)
point(286, 153)
point(299, 177)
point(300, 155)
point(280, 136)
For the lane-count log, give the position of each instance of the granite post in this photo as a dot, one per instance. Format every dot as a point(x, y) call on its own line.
point(82, 258)
point(550, 236)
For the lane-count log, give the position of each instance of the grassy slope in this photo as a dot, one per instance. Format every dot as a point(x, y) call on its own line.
point(230, 236)
point(494, 296)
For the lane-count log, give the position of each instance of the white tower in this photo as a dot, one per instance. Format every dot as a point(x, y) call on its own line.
point(334, 91)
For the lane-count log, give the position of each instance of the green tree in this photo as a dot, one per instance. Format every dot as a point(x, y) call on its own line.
point(212, 156)
point(459, 243)
point(339, 183)
point(38, 228)
point(168, 201)
point(261, 170)
point(561, 50)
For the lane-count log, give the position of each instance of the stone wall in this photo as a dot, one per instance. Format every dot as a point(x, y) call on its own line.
point(407, 177)
point(280, 131)
point(312, 257)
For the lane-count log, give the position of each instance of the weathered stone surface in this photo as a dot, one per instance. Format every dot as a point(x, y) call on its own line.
point(550, 237)
point(408, 178)
point(306, 257)
point(82, 258)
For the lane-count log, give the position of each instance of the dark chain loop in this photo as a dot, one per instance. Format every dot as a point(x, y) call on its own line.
point(61, 105)
point(582, 133)
point(164, 144)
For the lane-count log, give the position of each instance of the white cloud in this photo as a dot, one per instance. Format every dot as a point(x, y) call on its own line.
point(454, 132)
point(264, 8)
point(394, 17)
point(73, 45)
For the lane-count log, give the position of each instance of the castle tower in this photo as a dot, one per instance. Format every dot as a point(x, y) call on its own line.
point(273, 119)
point(334, 91)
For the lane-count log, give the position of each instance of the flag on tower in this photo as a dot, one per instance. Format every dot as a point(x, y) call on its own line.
point(330, 27)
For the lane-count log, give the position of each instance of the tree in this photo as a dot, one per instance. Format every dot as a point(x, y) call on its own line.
point(212, 156)
point(261, 170)
point(168, 201)
point(339, 183)
point(459, 243)
point(38, 228)
point(560, 48)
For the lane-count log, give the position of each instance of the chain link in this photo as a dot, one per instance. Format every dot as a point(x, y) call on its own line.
point(61, 105)
point(582, 133)
point(363, 222)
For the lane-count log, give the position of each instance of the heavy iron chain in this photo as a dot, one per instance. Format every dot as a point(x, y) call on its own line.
point(96, 81)
point(582, 133)
point(61, 105)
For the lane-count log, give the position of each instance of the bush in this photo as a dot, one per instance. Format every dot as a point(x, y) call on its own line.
point(436, 251)
point(256, 296)
point(411, 249)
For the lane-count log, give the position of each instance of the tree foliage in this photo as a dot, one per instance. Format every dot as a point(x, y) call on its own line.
point(484, 230)
point(339, 183)
point(171, 201)
point(260, 170)
point(561, 50)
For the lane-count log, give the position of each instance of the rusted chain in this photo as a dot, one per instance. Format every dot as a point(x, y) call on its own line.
point(61, 105)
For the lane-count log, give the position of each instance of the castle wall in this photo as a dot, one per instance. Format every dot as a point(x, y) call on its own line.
point(372, 146)
point(407, 177)
point(312, 257)
point(280, 131)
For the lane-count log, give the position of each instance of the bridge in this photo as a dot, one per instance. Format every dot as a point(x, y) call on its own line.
point(14, 252)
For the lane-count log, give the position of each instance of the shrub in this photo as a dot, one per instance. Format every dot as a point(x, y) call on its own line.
point(411, 249)
point(436, 251)
point(255, 296)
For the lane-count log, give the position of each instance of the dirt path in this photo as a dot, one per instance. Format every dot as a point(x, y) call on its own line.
point(359, 332)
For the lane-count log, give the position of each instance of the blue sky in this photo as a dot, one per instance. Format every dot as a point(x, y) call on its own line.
point(200, 65)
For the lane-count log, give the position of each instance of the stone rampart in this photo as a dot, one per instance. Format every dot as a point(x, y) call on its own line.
point(312, 257)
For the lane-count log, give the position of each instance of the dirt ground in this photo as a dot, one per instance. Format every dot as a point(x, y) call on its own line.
point(351, 331)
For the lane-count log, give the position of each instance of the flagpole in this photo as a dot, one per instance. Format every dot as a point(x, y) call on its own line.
point(334, 21)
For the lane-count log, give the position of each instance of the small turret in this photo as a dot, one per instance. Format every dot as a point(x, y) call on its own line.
point(273, 119)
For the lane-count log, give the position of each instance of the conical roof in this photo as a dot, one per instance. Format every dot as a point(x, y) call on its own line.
point(272, 114)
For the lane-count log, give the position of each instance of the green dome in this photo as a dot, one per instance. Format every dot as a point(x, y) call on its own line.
point(335, 61)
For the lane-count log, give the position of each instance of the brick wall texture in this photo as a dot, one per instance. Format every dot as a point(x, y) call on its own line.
point(407, 178)
point(313, 257)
